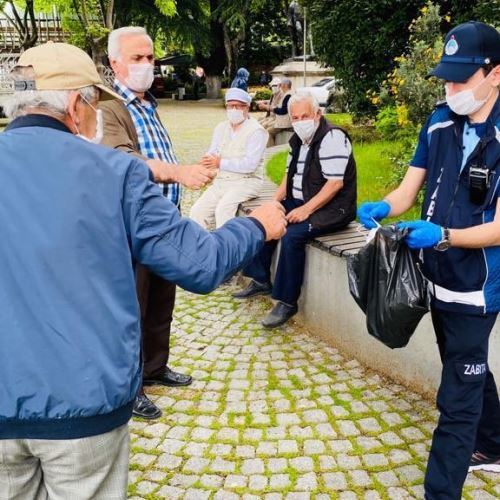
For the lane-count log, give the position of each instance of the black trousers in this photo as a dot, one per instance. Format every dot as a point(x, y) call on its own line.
point(467, 400)
point(157, 300)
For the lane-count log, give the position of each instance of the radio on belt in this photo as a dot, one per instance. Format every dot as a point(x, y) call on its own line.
point(479, 183)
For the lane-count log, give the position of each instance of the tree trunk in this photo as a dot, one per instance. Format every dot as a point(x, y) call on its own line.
point(229, 53)
point(214, 62)
point(214, 84)
point(26, 26)
point(98, 53)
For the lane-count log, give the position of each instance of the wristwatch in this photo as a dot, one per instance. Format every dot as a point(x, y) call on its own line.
point(445, 242)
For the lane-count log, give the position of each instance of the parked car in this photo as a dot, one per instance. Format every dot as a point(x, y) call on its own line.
point(322, 90)
point(158, 86)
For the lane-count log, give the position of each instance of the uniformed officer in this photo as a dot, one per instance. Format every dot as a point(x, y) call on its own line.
point(458, 158)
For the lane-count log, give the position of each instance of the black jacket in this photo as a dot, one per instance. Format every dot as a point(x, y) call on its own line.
point(341, 209)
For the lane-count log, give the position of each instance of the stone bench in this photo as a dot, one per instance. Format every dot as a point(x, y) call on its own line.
point(327, 310)
point(341, 243)
point(283, 137)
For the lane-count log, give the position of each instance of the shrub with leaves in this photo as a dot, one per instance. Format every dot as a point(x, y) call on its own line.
point(261, 93)
point(407, 97)
point(414, 95)
point(386, 123)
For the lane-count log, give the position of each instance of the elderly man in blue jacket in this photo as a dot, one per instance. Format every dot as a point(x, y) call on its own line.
point(75, 216)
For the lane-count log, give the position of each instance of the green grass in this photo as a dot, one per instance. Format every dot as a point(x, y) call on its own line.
point(275, 167)
point(373, 167)
point(374, 170)
point(340, 119)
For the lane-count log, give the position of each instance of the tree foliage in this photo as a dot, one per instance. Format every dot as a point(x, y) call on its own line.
point(407, 96)
point(220, 34)
point(250, 30)
point(23, 21)
point(90, 21)
point(267, 42)
point(361, 38)
point(414, 94)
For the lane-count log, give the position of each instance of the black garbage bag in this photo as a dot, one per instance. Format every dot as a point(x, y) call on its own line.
point(386, 283)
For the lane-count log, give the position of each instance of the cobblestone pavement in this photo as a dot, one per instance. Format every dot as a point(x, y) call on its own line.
point(274, 415)
point(190, 125)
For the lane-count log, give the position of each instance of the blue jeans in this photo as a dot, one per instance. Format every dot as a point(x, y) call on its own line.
point(467, 400)
point(291, 261)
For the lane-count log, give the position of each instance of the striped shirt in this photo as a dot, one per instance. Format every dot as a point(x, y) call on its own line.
point(154, 141)
point(334, 152)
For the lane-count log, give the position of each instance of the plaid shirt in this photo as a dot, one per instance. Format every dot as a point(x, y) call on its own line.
point(154, 141)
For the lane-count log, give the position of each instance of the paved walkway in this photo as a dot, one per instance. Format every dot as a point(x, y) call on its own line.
point(274, 415)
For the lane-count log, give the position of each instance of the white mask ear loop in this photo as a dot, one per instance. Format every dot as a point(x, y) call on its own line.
point(76, 126)
point(99, 132)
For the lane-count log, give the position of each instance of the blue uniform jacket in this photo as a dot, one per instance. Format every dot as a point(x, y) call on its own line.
point(74, 217)
point(466, 280)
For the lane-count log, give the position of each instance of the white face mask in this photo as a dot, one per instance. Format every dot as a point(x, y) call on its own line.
point(235, 116)
point(274, 89)
point(465, 102)
point(99, 127)
point(140, 77)
point(304, 129)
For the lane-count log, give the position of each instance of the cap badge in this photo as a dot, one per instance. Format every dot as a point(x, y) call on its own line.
point(451, 46)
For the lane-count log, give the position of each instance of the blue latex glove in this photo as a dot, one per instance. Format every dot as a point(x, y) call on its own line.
point(423, 234)
point(370, 210)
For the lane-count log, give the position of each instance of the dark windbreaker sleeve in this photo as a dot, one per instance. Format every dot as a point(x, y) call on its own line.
point(178, 249)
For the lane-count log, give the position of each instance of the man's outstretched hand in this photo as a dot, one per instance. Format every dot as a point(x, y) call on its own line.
point(195, 176)
point(190, 176)
point(272, 216)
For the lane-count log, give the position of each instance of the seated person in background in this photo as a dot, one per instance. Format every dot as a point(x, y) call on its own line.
point(282, 121)
point(264, 78)
point(318, 193)
point(236, 151)
point(269, 119)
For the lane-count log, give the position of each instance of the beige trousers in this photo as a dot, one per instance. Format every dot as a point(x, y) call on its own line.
point(220, 200)
point(93, 468)
point(267, 121)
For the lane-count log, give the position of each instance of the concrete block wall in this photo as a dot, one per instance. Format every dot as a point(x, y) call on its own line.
point(327, 309)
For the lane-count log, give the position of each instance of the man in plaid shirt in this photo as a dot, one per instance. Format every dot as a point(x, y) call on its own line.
point(135, 127)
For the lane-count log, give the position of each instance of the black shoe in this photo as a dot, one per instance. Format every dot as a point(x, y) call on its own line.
point(253, 289)
point(170, 378)
point(145, 408)
point(480, 461)
point(280, 314)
